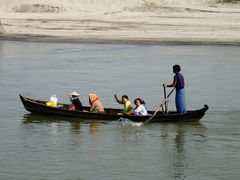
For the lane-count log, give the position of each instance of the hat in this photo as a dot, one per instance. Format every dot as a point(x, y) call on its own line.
point(74, 94)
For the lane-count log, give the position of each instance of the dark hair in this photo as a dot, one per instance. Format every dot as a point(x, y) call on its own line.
point(140, 100)
point(176, 68)
point(125, 96)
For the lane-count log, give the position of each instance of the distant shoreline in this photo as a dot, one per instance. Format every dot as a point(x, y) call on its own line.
point(207, 26)
point(62, 39)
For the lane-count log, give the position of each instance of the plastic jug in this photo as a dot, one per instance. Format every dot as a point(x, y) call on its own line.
point(53, 101)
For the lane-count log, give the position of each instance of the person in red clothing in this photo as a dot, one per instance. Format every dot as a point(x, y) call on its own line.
point(75, 102)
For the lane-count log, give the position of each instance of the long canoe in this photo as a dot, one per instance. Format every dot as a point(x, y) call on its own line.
point(39, 106)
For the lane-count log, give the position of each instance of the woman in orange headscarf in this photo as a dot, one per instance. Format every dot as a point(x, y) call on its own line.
point(96, 105)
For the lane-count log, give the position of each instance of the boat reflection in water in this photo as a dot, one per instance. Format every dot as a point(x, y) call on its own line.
point(177, 142)
point(58, 123)
point(183, 142)
point(127, 127)
point(54, 121)
point(94, 128)
point(41, 118)
point(75, 127)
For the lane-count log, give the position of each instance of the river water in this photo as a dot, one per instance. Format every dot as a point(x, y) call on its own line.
point(41, 147)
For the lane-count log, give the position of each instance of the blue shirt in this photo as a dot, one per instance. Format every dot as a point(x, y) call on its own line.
point(180, 81)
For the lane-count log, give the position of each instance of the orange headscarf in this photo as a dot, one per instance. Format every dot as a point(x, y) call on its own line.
point(92, 98)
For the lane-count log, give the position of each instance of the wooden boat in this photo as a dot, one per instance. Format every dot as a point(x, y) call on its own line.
point(39, 106)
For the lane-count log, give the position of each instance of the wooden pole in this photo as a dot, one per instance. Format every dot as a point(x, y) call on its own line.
point(161, 105)
point(165, 97)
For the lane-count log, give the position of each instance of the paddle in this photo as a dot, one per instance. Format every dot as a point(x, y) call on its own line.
point(163, 102)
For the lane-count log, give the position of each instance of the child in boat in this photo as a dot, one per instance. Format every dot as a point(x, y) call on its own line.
point(75, 102)
point(126, 102)
point(96, 105)
point(140, 109)
point(179, 84)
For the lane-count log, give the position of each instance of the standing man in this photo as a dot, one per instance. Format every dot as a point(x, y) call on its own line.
point(178, 83)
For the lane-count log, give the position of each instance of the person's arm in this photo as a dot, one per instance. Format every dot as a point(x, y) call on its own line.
point(137, 109)
point(120, 102)
point(170, 85)
point(92, 109)
point(130, 112)
point(70, 98)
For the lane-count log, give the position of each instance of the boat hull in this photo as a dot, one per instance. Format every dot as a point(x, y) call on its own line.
point(38, 106)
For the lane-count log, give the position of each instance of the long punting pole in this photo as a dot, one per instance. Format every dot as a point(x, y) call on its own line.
point(165, 96)
point(161, 105)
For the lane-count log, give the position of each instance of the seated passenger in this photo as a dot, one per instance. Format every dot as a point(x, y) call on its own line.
point(96, 105)
point(140, 109)
point(75, 102)
point(126, 102)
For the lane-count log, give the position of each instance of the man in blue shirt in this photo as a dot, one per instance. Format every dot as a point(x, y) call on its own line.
point(178, 83)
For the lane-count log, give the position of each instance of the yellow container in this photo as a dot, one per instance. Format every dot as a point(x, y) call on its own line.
point(51, 104)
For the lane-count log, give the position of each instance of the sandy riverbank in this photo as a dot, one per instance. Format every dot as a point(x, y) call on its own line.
point(201, 23)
